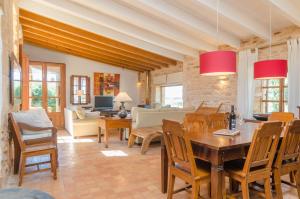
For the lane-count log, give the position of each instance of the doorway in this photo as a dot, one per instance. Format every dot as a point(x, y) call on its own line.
point(47, 89)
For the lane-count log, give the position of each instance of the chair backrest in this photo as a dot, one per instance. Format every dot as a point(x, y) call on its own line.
point(208, 110)
point(217, 121)
point(285, 117)
point(263, 146)
point(289, 150)
point(178, 145)
point(195, 123)
point(16, 131)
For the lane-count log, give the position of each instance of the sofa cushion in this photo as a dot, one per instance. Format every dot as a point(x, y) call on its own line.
point(86, 121)
point(80, 114)
point(135, 110)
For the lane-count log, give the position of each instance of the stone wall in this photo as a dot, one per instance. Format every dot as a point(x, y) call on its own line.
point(197, 88)
point(213, 90)
point(9, 43)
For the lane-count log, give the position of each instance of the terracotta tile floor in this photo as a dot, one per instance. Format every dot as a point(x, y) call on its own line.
point(87, 170)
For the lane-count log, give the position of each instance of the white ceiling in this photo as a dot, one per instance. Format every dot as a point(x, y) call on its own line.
point(173, 28)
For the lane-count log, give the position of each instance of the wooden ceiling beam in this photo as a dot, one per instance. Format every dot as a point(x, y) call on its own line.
point(52, 44)
point(93, 37)
point(64, 43)
point(43, 29)
point(81, 54)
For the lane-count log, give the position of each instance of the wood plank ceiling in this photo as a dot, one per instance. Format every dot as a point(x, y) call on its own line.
point(51, 34)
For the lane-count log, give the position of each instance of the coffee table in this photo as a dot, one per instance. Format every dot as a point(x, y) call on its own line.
point(107, 123)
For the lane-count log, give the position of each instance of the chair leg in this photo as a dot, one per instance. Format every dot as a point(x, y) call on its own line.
point(292, 177)
point(53, 164)
point(131, 140)
point(51, 161)
point(277, 181)
point(209, 189)
point(267, 184)
point(195, 189)
point(171, 185)
point(297, 176)
point(245, 190)
point(22, 168)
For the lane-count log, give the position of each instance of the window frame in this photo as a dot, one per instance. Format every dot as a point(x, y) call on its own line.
point(87, 94)
point(281, 100)
point(161, 92)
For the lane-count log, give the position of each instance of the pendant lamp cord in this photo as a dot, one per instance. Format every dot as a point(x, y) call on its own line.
point(270, 32)
point(218, 4)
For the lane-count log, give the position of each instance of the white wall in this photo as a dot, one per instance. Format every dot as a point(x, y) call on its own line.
point(80, 66)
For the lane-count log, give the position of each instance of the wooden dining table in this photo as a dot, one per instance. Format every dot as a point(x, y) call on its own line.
point(217, 150)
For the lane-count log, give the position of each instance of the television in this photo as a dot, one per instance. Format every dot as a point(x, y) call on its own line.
point(104, 102)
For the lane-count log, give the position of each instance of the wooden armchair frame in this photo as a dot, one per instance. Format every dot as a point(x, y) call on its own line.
point(34, 147)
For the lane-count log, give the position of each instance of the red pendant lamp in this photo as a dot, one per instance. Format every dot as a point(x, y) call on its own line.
point(217, 62)
point(272, 68)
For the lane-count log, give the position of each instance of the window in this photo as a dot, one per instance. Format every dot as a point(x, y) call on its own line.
point(274, 95)
point(80, 90)
point(169, 95)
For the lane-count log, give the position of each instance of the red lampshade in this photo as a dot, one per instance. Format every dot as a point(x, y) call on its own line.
point(270, 69)
point(218, 63)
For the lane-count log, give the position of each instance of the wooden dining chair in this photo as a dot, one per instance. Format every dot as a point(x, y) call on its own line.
point(33, 150)
point(181, 160)
point(258, 163)
point(195, 124)
point(207, 109)
point(217, 121)
point(288, 157)
point(285, 117)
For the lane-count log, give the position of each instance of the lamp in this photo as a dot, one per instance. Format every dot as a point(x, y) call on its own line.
point(122, 97)
point(218, 62)
point(272, 68)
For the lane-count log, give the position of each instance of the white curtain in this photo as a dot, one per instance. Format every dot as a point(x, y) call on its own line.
point(246, 83)
point(293, 75)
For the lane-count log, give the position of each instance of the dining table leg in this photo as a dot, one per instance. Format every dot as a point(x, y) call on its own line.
point(164, 167)
point(218, 190)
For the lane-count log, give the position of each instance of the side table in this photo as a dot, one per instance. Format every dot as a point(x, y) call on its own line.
point(107, 123)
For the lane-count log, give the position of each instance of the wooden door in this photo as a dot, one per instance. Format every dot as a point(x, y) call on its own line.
point(47, 89)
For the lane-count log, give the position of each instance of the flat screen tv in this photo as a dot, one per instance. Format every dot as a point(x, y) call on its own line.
point(104, 102)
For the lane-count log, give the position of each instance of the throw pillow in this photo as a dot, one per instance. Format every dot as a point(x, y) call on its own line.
point(80, 114)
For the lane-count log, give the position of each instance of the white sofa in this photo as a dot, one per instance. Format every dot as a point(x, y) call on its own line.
point(81, 127)
point(143, 117)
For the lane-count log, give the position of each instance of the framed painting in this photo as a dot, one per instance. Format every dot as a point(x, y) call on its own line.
point(106, 84)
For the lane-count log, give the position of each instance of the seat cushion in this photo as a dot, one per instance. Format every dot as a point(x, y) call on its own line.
point(203, 168)
point(42, 147)
point(36, 135)
point(235, 167)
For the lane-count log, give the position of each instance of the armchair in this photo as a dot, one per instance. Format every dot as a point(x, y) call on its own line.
point(34, 128)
